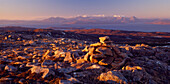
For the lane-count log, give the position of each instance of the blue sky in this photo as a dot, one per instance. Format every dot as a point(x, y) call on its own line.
point(38, 9)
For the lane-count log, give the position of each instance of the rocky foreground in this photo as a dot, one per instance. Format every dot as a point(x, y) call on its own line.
point(41, 58)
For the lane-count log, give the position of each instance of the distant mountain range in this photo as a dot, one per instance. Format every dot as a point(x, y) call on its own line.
point(92, 20)
point(87, 20)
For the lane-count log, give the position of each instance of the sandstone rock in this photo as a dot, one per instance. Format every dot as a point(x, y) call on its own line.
point(117, 65)
point(21, 81)
point(81, 60)
point(92, 59)
point(18, 63)
point(72, 79)
point(113, 77)
point(87, 57)
point(91, 50)
point(81, 66)
point(47, 63)
point(65, 82)
point(10, 68)
point(23, 57)
point(96, 44)
point(103, 39)
point(2, 66)
point(67, 70)
point(137, 75)
point(46, 71)
point(30, 64)
point(59, 53)
point(86, 49)
point(45, 56)
point(106, 61)
point(6, 79)
point(95, 67)
point(69, 57)
point(132, 68)
point(104, 50)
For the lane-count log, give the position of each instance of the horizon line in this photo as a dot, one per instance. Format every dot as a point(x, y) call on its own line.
point(67, 17)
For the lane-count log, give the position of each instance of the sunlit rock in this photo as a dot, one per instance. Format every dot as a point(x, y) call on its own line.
point(11, 68)
point(113, 77)
point(46, 71)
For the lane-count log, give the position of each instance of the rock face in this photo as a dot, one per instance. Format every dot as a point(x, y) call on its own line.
point(46, 57)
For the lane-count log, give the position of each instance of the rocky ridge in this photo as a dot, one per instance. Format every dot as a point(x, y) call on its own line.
point(42, 58)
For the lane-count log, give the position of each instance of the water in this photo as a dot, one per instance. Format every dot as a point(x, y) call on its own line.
point(127, 27)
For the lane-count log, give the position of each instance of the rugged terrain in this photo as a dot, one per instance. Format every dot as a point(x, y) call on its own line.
point(54, 56)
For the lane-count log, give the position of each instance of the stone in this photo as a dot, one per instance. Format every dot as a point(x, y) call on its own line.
point(30, 64)
point(65, 82)
point(86, 49)
point(6, 79)
point(45, 56)
point(95, 66)
point(72, 79)
point(106, 61)
point(113, 77)
point(86, 57)
point(10, 68)
point(21, 81)
point(69, 57)
point(23, 57)
point(96, 44)
point(91, 50)
point(81, 60)
point(132, 68)
point(103, 39)
point(67, 70)
point(92, 59)
point(2, 66)
point(81, 74)
point(104, 50)
point(47, 63)
point(98, 55)
point(59, 53)
point(117, 65)
point(46, 71)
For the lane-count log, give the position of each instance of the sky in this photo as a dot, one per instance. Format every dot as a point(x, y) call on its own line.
point(40, 9)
